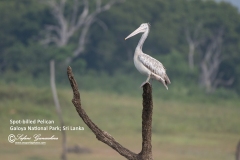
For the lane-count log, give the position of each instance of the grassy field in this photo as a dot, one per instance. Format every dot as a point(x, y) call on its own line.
point(189, 129)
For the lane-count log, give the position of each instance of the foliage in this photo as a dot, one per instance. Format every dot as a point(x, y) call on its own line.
point(107, 54)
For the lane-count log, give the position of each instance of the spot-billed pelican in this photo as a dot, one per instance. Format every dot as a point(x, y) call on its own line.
point(146, 64)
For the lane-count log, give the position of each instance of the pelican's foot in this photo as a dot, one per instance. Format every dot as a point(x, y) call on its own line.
point(144, 84)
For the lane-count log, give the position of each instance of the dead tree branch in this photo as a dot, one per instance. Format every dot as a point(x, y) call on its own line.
point(210, 63)
point(209, 47)
point(58, 109)
point(194, 40)
point(146, 152)
point(80, 19)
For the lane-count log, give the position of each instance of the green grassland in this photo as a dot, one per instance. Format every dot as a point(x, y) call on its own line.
point(202, 128)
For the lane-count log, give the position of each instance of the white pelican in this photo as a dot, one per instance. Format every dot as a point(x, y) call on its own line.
point(144, 63)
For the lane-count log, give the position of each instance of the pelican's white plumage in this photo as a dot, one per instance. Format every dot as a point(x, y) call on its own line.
point(146, 64)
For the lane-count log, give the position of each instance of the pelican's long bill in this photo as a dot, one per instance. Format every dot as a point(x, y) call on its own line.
point(139, 30)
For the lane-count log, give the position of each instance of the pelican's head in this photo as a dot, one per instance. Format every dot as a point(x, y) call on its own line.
point(142, 28)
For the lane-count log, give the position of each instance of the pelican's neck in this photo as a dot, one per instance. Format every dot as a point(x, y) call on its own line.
point(142, 40)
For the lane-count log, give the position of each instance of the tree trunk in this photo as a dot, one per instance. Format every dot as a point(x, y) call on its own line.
point(238, 151)
point(146, 152)
point(58, 109)
point(191, 56)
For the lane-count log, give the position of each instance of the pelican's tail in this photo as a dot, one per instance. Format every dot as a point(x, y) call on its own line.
point(167, 80)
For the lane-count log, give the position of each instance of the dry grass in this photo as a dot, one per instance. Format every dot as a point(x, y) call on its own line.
point(181, 130)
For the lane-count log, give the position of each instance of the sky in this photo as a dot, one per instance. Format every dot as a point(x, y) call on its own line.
point(235, 3)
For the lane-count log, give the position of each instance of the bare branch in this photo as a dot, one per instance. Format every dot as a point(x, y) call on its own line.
point(98, 5)
point(74, 12)
point(58, 109)
point(216, 40)
point(211, 61)
point(221, 82)
point(62, 4)
point(84, 14)
point(50, 39)
point(82, 20)
point(193, 42)
point(58, 13)
point(52, 28)
point(146, 152)
point(194, 37)
point(197, 30)
point(101, 24)
point(82, 39)
point(109, 5)
point(89, 20)
point(100, 134)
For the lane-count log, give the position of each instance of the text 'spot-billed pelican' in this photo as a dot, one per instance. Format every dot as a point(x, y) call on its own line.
point(144, 63)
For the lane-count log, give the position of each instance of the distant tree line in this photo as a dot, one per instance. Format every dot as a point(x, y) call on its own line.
point(197, 41)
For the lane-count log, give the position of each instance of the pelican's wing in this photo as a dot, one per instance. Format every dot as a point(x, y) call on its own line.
point(154, 66)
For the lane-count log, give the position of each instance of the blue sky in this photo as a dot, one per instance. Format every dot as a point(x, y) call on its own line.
point(235, 3)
